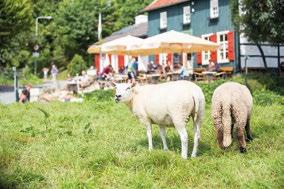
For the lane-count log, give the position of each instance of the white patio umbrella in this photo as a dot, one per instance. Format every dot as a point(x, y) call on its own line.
point(116, 46)
point(171, 42)
point(94, 49)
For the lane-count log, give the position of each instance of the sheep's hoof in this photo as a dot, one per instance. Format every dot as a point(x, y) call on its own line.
point(223, 147)
point(243, 150)
point(249, 139)
point(193, 155)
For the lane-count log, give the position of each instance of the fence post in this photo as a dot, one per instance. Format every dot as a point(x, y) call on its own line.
point(246, 69)
point(16, 86)
point(278, 53)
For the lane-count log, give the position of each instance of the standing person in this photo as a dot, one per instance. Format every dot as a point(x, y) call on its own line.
point(45, 73)
point(54, 72)
point(130, 71)
point(135, 66)
point(25, 95)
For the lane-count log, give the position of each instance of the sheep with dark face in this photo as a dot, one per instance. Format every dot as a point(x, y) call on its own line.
point(231, 107)
point(167, 104)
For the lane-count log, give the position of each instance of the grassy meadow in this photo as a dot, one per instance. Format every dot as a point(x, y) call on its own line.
point(100, 144)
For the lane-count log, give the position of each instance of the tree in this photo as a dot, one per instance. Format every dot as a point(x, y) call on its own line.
point(260, 20)
point(127, 10)
point(15, 19)
point(72, 29)
point(15, 16)
point(77, 65)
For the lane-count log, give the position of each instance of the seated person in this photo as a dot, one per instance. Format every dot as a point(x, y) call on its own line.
point(25, 95)
point(212, 66)
point(167, 68)
point(107, 72)
point(151, 67)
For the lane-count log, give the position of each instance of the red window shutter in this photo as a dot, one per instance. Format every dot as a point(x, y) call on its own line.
point(170, 58)
point(97, 62)
point(157, 58)
point(213, 55)
point(120, 62)
point(198, 58)
point(231, 49)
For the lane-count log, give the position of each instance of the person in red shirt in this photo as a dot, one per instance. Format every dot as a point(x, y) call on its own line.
point(107, 72)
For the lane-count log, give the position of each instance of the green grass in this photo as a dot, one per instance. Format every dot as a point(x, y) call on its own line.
point(100, 144)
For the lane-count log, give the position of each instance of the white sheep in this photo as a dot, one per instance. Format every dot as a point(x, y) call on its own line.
point(231, 107)
point(166, 104)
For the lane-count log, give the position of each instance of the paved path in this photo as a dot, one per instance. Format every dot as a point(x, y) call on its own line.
point(7, 95)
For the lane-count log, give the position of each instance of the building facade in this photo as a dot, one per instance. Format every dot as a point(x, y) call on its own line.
point(208, 19)
point(211, 20)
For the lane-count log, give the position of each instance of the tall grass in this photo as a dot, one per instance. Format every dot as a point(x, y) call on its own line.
point(99, 144)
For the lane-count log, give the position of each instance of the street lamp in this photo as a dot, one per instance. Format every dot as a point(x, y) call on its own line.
point(41, 17)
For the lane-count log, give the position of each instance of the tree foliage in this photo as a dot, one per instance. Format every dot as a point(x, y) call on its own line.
point(15, 16)
point(72, 29)
point(260, 20)
point(127, 10)
point(77, 65)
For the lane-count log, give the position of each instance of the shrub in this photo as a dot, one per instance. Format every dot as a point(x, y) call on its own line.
point(100, 95)
point(77, 65)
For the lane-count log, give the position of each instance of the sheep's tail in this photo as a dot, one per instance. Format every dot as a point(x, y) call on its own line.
point(196, 108)
point(221, 118)
point(226, 122)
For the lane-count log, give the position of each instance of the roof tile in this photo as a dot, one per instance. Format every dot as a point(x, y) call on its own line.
point(162, 3)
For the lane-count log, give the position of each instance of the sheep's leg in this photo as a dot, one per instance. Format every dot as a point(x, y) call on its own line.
point(149, 135)
point(184, 139)
point(240, 117)
point(248, 131)
point(163, 137)
point(241, 139)
point(148, 127)
point(196, 125)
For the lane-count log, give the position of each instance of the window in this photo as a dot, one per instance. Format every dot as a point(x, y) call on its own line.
point(214, 9)
point(163, 20)
point(205, 54)
point(222, 53)
point(186, 15)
